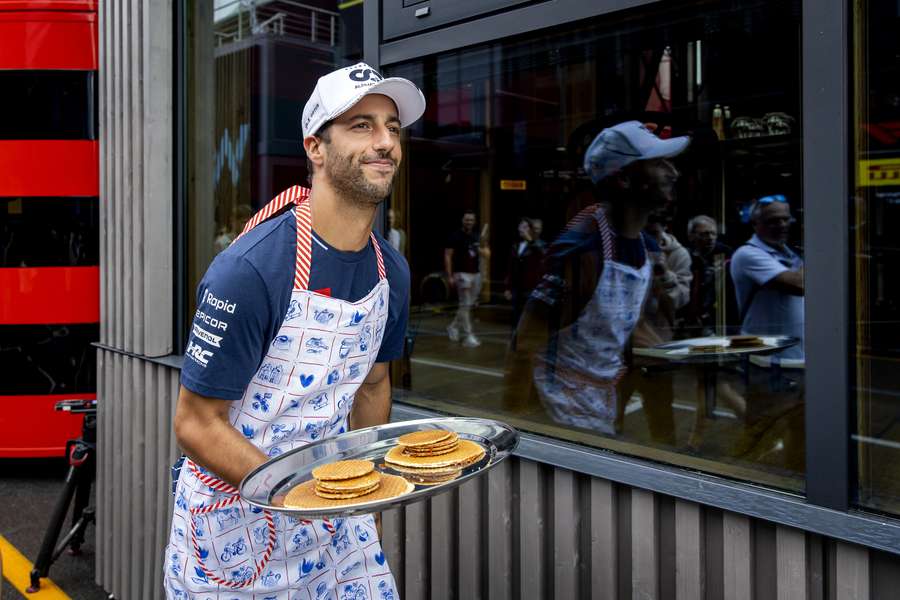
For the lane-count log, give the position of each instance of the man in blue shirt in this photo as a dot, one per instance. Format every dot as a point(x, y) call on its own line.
point(296, 322)
point(768, 277)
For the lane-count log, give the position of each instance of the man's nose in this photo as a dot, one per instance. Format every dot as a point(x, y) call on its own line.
point(382, 140)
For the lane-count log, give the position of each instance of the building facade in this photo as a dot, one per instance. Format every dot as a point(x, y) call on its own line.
point(755, 478)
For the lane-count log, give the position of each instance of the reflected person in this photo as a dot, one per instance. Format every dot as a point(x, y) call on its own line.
point(462, 263)
point(526, 257)
point(573, 334)
point(708, 261)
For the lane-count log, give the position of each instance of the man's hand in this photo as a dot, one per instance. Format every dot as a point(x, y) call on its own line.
point(204, 433)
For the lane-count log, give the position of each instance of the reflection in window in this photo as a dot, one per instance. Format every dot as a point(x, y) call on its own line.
point(589, 301)
point(252, 67)
point(875, 253)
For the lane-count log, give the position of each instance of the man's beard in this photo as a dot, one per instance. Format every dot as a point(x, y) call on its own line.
point(347, 177)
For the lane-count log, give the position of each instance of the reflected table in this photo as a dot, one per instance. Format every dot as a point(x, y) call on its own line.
point(707, 363)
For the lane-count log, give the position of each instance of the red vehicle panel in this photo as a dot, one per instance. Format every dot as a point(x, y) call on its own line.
point(48, 40)
point(49, 168)
point(31, 428)
point(49, 295)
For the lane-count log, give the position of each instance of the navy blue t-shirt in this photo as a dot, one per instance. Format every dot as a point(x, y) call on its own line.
point(244, 296)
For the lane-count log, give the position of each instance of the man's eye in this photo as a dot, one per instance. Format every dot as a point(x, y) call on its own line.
point(395, 130)
point(361, 126)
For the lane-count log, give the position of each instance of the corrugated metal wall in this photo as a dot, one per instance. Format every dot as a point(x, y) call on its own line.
point(136, 176)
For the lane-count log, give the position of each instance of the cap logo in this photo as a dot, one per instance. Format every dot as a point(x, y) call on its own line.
point(365, 75)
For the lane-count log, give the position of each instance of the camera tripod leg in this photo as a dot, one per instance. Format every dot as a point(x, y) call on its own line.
point(45, 555)
point(82, 497)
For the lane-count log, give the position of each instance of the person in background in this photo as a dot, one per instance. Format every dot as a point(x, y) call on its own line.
point(525, 262)
point(709, 258)
point(462, 264)
point(671, 281)
point(240, 214)
point(396, 237)
point(768, 276)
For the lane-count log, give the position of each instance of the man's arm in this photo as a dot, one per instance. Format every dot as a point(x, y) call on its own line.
point(207, 437)
point(448, 265)
point(372, 403)
point(789, 282)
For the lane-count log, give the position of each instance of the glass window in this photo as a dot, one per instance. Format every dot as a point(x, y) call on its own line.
point(48, 105)
point(876, 253)
point(593, 305)
point(251, 67)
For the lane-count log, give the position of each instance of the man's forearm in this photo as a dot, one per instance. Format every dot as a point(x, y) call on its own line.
point(371, 405)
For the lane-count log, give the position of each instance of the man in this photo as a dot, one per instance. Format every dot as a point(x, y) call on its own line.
point(573, 334)
point(462, 257)
point(295, 325)
point(395, 236)
point(526, 258)
point(768, 276)
point(708, 259)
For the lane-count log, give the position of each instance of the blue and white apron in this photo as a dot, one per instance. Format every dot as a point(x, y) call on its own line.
point(220, 547)
point(576, 375)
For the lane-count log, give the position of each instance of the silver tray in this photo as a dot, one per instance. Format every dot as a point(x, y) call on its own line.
point(680, 350)
point(277, 476)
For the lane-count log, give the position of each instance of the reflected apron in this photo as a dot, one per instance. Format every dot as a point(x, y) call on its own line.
point(222, 548)
point(576, 374)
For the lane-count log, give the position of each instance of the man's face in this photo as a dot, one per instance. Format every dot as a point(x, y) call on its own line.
point(655, 230)
point(704, 237)
point(774, 223)
point(653, 181)
point(363, 154)
point(468, 222)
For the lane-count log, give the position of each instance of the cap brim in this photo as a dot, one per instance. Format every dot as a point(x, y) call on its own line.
point(668, 148)
point(409, 100)
point(406, 96)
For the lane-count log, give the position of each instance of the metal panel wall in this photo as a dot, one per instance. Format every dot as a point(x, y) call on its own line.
point(136, 83)
point(136, 447)
point(532, 531)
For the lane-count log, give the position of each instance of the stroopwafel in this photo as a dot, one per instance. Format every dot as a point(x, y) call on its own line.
point(303, 496)
point(465, 454)
point(430, 437)
point(343, 486)
point(343, 469)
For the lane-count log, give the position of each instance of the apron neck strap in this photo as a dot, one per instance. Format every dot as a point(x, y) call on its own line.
point(303, 264)
point(292, 195)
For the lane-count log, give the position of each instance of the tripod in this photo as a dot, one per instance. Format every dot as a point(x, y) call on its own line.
point(82, 469)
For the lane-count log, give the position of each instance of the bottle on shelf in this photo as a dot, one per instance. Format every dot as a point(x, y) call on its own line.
point(726, 119)
point(718, 123)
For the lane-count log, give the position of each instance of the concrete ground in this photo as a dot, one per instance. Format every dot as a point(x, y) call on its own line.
point(28, 492)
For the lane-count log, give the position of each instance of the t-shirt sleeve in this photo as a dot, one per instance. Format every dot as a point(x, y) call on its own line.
point(398, 317)
point(229, 331)
point(756, 265)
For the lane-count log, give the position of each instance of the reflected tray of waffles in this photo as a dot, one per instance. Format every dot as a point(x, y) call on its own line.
point(432, 456)
point(344, 483)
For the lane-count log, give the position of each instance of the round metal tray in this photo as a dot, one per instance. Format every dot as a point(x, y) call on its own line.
point(680, 350)
point(272, 480)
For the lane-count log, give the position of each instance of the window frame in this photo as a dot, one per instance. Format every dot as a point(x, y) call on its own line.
point(826, 155)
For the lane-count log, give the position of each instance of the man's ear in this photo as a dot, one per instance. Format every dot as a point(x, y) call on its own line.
point(314, 147)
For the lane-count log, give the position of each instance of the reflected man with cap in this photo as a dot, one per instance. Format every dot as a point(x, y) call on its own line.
point(579, 320)
point(296, 322)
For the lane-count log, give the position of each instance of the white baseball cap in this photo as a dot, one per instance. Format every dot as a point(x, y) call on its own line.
point(338, 91)
point(618, 146)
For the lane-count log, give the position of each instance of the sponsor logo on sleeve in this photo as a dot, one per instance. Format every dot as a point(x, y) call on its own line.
point(218, 303)
point(211, 320)
point(209, 338)
point(196, 353)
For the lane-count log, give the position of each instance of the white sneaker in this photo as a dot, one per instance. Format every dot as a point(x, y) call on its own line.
point(471, 342)
point(453, 333)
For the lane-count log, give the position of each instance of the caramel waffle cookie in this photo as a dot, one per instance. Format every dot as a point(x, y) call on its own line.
point(467, 453)
point(326, 493)
point(436, 471)
point(708, 349)
point(429, 437)
point(343, 469)
point(303, 496)
point(344, 486)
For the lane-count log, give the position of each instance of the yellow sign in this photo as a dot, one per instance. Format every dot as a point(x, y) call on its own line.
point(882, 171)
point(513, 184)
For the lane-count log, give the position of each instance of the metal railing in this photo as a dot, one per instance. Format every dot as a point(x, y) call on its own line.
point(242, 19)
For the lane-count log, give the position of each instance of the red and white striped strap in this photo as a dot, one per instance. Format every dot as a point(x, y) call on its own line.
point(218, 485)
point(303, 264)
point(293, 195)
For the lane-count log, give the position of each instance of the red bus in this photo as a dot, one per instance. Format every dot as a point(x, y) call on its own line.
point(49, 219)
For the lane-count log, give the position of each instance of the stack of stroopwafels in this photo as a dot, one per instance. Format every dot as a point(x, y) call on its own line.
point(345, 482)
point(433, 456)
point(745, 341)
